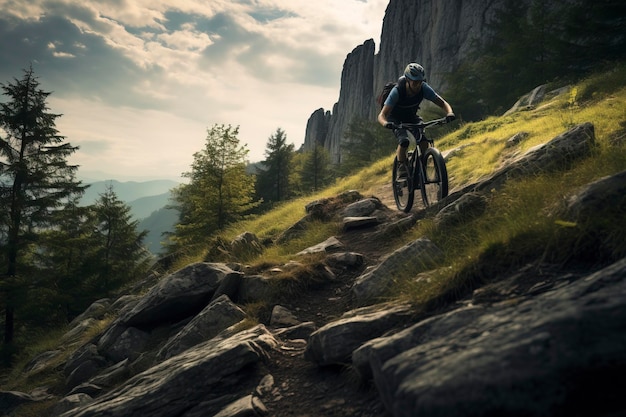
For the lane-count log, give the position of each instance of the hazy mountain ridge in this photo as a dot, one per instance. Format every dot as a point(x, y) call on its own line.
point(128, 191)
point(147, 201)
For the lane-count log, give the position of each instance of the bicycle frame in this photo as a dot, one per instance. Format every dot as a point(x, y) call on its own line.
point(433, 187)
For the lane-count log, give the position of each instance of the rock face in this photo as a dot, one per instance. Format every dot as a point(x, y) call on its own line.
point(437, 34)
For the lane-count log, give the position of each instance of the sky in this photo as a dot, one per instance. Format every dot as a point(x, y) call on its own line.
point(139, 82)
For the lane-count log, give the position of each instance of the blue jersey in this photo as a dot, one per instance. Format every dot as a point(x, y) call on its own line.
point(403, 108)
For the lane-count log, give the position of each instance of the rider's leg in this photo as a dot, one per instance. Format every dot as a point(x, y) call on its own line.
point(403, 144)
point(401, 153)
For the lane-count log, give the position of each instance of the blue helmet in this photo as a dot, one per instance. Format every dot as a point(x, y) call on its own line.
point(414, 72)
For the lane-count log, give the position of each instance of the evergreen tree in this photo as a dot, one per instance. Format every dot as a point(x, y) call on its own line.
point(35, 180)
point(273, 178)
point(219, 192)
point(66, 254)
point(315, 169)
point(120, 254)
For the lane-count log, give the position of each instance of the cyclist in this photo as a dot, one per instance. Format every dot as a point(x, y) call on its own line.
point(402, 104)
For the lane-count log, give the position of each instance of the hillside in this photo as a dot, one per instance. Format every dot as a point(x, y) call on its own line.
point(507, 298)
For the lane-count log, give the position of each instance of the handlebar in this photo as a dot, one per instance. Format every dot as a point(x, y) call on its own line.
point(422, 125)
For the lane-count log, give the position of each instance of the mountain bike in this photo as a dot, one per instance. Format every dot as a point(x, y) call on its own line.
point(427, 172)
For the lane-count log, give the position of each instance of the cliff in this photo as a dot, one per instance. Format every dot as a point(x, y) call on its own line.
point(436, 34)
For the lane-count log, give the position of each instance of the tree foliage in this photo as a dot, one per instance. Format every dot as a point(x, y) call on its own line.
point(219, 191)
point(365, 142)
point(91, 253)
point(534, 45)
point(316, 169)
point(273, 178)
point(35, 180)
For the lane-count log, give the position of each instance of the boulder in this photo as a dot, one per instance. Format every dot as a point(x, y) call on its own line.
point(419, 255)
point(607, 193)
point(362, 208)
point(282, 317)
point(216, 317)
point(335, 342)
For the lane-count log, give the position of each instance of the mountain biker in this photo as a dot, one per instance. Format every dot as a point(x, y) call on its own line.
point(402, 104)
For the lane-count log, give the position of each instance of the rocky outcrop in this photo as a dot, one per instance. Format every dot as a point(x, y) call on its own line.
point(355, 97)
point(439, 35)
point(316, 129)
point(552, 350)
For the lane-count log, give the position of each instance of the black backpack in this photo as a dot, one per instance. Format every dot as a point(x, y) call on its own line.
point(387, 89)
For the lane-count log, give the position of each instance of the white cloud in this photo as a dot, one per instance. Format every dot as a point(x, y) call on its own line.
point(146, 78)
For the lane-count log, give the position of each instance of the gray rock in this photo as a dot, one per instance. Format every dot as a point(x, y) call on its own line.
point(299, 331)
point(87, 388)
point(12, 399)
point(42, 361)
point(70, 402)
point(88, 352)
point(419, 255)
point(246, 245)
point(605, 193)
point(335, 342)
point(96, 310)
point(179, 295)
point(362, 208)
point(516, 139)
point(350, 223)
point(255, 288)
point(78, 329)
point(176, 297)
point(128, 345)
point(216, 317)
point(329, 245)
point(83, 372)
point(216, 368)
point(248, 406)
point(466, 208)
point(112, 375)
point(345, 260)
point(282, 317)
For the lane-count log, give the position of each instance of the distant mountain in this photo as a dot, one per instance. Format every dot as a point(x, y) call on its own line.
point(158, 222)
point(128, 191)
point(145, 206)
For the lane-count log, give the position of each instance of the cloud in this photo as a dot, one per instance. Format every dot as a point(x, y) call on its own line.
point(151, 68)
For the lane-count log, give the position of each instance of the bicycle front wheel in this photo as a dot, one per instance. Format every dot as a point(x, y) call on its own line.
point(402, 188)
point(434, 177)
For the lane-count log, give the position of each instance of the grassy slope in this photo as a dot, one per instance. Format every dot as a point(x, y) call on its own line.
point(520, 223)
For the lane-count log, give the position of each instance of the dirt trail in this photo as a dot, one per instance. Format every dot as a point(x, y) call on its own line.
point(300, 387)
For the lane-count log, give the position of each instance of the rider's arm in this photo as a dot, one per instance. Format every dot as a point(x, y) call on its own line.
point(431, 95)
point(383, 115)
point(445, 106)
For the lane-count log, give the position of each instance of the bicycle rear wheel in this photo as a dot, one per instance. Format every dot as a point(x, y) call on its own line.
point(434, 177)
point(402, 188)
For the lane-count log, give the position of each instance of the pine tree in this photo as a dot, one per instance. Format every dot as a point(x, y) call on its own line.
point(35, 179)
point(120, 255)
point(273, 178)
point(219, 192)
point(65, 255)
point(315, 169)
